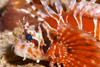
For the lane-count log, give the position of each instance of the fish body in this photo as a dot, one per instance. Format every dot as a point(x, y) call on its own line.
point(55, 40)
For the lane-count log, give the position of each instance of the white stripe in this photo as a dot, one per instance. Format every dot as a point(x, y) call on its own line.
point(99, 30)
point(28, 1)
point(72, 4)
point(58, 6)
point(41, 14)
point(47, 8)
point(28, 12)
point(40, 19)
point(25, 11)
point(33, 7)
point(95, 26)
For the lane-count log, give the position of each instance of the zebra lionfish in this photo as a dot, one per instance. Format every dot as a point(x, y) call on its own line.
point(55, 40)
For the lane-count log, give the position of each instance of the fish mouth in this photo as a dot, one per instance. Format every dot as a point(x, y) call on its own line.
point(28, 51)
point(17, 50)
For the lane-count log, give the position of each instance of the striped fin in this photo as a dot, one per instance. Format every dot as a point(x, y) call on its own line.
point(87, 7)
point(48, 9)
point(70, 6)
point(43, 15)
point(77, 9)
point(32, 15)
point(59, 8)
point(82, 49)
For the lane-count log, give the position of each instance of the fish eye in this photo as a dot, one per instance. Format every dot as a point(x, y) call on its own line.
point(28, 37)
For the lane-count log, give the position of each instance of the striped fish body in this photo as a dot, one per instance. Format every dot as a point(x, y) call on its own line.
point(55, 40)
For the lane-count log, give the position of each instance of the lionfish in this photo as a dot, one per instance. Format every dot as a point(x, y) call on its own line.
point(56, 40)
